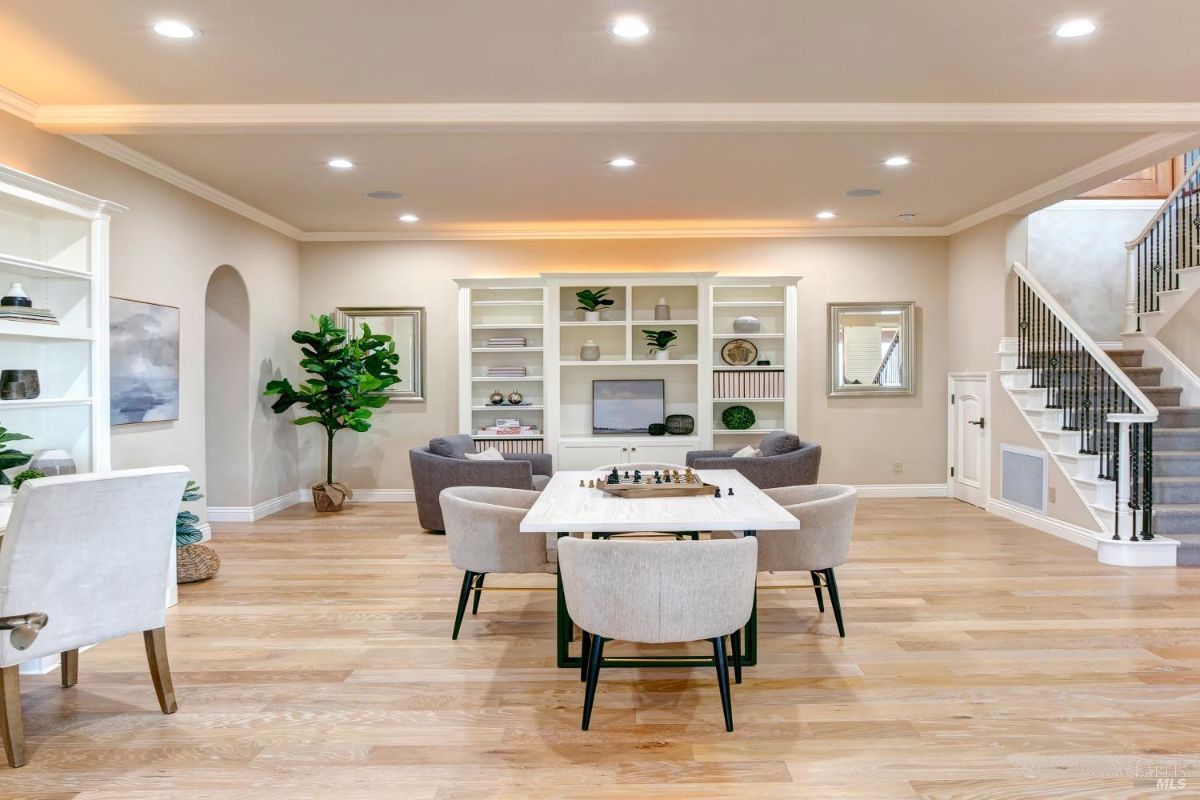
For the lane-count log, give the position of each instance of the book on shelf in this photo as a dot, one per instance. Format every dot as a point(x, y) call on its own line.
point(508, 430)
point(22, 314)
point(748, 384)
point(506, 372)
point(514, 445)
point(507, 341)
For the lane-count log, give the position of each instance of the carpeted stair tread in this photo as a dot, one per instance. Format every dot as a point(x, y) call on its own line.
point(1178, 417)
point(1126, 358)
point(1145, 376)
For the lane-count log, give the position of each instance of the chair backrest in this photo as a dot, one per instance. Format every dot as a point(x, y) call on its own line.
point(659, 591)
point(93, 552)
point(826, 514)
point(483, 530)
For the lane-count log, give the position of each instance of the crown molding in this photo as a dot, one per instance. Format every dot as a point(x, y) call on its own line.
point(614, 232)
point(157, 169)
point(17, 105)
point(402, 117)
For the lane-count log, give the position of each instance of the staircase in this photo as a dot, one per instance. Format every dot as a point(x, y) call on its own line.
point(1176, 473)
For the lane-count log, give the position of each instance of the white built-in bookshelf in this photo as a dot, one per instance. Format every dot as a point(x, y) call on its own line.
point(54, 241)
point(541, 314)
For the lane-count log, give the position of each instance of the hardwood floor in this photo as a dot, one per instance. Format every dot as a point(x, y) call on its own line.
point(982, 660)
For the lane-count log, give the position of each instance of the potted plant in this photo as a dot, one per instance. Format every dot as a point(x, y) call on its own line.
point(26, 475)
point(10, 458)
point(591, 302)
point(193, 561)
point(659, 343)
point(349, 375)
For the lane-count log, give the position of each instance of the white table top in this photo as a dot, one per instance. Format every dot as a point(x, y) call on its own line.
point(564, 507)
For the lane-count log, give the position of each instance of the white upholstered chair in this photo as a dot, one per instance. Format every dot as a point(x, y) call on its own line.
point(659, 592)
point(91, 552)
point(484, 536)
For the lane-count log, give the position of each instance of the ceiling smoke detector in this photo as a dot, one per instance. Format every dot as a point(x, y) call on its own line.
point(907, 216)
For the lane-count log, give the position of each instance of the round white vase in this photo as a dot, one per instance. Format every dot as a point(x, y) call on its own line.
point(747, 324)
point(662, 355)
point(591, 316)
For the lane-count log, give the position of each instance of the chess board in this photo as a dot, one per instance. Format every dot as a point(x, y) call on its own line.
point(674, 484)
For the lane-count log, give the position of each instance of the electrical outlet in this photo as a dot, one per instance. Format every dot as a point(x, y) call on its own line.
point(1051, 494)
point(898, 467)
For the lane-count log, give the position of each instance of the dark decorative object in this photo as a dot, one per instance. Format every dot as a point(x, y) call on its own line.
point(16, 297)
point(516, 398)
point(19, 384)
point(739, 353)
point(657, 429)
point(763, 362)
point(680, 424)
point(496, 398)
point(737, 418)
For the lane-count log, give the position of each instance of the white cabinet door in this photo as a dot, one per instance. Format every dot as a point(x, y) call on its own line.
point(666, 452)
point(586, 456)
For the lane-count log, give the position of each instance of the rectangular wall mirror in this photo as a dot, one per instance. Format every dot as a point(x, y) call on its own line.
point(405, 324)
point(872, 349)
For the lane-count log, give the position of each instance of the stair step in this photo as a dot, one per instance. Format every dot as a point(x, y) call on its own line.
point(1176, 438)
point(1172, 490)
point(1188, 554)
point(1177, 464)
point(1126, 358)
point(1145, 376)
point(1170, 519)
point(1178, 417)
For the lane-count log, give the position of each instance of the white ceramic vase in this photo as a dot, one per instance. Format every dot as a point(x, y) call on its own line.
point(591, 316)
point(662, 355)
point(747, 324)
point(590, 351)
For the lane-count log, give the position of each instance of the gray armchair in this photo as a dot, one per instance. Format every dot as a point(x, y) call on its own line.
point(785, 461)
point(444, 464)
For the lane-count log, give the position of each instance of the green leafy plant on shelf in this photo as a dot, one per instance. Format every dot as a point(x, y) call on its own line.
point(660, 340)
point(593, 301)
point(10, 458)
point(349, 374)
point(26, 475)
point(738, 418)
point(186, 531)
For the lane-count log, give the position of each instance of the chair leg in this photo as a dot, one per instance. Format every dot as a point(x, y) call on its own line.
point(70, 668)
point(465, 593)
point(160, 669)
point(816, 579)
point(723, 680)
point(586, 638)
point(593, 678)
point(735, 639)
point(831, 582)
point(478, 593)
point(10, 716)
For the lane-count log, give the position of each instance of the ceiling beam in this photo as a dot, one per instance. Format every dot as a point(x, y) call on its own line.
point(651, 117)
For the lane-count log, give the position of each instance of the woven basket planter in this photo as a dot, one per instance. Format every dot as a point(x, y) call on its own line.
point(196, 562)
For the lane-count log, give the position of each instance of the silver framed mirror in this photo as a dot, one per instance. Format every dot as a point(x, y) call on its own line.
point(405, 324)
point(872, 349)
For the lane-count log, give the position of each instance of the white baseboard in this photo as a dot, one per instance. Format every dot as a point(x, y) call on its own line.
point(904, 490)
point(1056, 527)
point(384, 496)
point(256, 512)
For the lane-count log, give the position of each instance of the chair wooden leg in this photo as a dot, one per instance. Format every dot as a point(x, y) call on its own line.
point(831, 582)
point(478, 593)
point(160, 669)
point(463, 595)
point(10, 716)
point(723, 680)
point(70, 668)
point(593, 678)
point(586, 638)
point(735, 639)
point(816, 579)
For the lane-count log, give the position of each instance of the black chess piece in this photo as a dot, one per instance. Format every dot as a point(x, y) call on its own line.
point(614, 477)
point(731, 491)
point(657, 476)
point(718, 494)
point(626, 472)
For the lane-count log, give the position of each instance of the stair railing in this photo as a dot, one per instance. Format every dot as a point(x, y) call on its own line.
point(1113, 417)
point(1169, 242)
point(889, 372)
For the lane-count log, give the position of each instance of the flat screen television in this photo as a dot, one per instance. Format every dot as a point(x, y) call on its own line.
point(627, 406)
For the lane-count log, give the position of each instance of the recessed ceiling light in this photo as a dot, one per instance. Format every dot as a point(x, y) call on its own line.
point(898, 161)
point(409, 218)
point(907, 216)
point(622, 162)
point(385, 195)
point(826, 215)
point(1075, 28)
point(340, 163)
point(630, 27)
point(863, 193)
point(174, 29)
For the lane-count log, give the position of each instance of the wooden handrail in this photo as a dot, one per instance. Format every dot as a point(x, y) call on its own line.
point(1149, 411)
point(1165, 207)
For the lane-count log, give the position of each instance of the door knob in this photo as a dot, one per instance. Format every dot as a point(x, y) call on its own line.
point(981, 422)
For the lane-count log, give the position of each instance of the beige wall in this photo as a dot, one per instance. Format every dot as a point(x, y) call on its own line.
point(1179, 335)
point(227, 388)
point(978, 274)
point(863, 436)
point(163, 250)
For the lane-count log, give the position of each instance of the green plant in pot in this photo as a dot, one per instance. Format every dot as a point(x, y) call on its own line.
point(26, 475)
point(193, 561)
point(660, 342)
point(349, 374)
point(590, 302)
point(738, 418)
point(10, 458)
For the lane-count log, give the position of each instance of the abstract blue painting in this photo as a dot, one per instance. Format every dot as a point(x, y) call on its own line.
point(143, 361)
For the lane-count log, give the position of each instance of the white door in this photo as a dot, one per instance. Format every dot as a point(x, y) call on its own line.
point(969, 452)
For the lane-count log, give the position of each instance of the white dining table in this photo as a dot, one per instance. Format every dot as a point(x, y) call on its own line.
point(565, 507)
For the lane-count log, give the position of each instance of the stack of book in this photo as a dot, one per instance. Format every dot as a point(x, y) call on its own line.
point(507, 341)
point(510, 430)
point(23, 314)
point(506, 372)
point(748, 385)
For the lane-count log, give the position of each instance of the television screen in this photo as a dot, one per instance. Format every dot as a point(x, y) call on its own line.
point(627, 406)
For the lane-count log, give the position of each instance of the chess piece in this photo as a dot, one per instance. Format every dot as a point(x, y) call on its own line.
point(718, 493)
point(614, 477)
point(626, 473)
point(591, 484)
point(731, 491)
point(581, 483)
point(657, 476)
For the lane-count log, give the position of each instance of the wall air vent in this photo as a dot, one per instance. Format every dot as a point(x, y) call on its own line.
point(1023, 477)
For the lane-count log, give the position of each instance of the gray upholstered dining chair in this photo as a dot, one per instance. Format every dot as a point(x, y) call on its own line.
point(85, 559)
point(785, 461)
point(826, 514)
point(484, 536)
point(659, 592)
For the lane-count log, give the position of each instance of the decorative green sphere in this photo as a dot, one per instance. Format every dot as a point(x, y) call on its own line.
point(737, 418)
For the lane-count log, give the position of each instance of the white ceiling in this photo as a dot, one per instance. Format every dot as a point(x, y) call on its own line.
point(90, 62)
point(320, 51)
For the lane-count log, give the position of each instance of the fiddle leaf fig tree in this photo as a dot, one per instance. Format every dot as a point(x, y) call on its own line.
point(349, 374)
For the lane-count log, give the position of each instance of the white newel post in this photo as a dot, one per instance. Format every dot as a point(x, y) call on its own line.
point(1131, 316)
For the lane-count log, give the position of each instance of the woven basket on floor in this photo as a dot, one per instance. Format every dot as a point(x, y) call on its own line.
point(196, 562)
